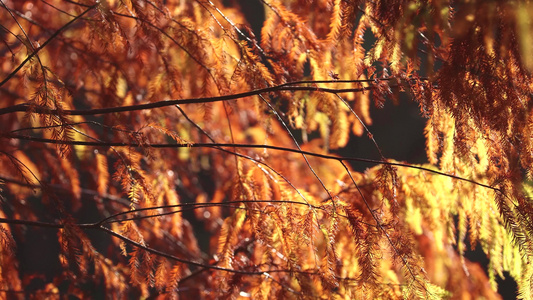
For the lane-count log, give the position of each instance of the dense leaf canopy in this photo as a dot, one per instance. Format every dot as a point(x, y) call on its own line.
point(166, 148)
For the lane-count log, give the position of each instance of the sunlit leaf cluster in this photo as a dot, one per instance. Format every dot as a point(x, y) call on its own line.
point(164, 148)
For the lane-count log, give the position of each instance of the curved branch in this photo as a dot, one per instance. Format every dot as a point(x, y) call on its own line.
point(146, 248)
point(165, 103)
point(253, 146)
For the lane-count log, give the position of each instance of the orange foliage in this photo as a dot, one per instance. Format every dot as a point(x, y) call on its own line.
point(162, 148)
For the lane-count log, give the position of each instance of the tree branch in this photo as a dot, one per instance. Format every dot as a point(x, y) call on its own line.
point(165, 103)
point(253, 146)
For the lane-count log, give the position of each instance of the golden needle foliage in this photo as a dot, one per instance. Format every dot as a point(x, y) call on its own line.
point(163, 148)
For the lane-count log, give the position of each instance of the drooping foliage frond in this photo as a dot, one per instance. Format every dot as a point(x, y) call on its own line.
point(167, 148)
